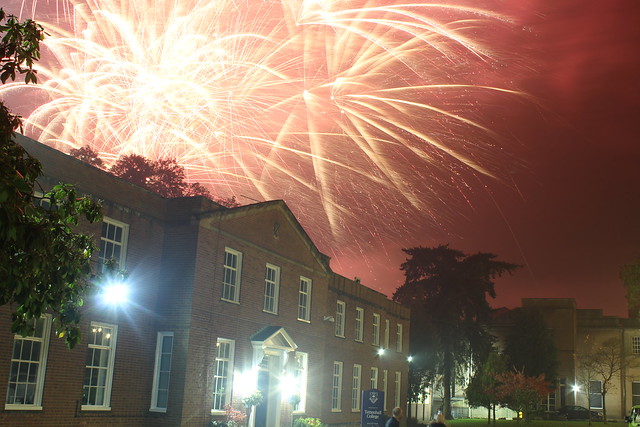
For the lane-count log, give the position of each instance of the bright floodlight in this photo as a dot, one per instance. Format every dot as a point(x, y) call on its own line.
point(410, 359)
point(380, 351)
point(115, 294)
point(576, 388)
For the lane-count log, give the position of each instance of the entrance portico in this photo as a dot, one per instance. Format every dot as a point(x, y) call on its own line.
point(273, 357)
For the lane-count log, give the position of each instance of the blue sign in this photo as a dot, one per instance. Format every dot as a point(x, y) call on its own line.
point(372, 408)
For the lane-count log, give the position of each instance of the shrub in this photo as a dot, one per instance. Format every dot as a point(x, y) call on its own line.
point(308, 422)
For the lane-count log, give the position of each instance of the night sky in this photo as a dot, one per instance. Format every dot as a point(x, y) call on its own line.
point(566, 202)
point(572, 218)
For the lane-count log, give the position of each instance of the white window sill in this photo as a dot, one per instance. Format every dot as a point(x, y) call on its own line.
point(18, 407)
point(94, 408)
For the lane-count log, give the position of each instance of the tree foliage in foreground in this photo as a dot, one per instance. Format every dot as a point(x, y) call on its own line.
point(19, 47)
point(447, 292)
point(44, 265)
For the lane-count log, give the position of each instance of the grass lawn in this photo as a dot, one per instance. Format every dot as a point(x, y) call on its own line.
point(534, 423)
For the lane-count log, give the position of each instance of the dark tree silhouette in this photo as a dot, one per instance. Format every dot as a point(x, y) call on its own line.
point(529, 345)
point(87, 155)
point(630, 275)
point(448, 291)
point(165, 176)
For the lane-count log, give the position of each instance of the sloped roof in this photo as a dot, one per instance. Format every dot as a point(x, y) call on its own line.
point(274, 337)
point(243, 211)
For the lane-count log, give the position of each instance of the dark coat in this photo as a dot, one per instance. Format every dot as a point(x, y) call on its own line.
point(392, 422)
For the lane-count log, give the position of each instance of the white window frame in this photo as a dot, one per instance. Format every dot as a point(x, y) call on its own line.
point(386, 333)
point(356, 384)
point(359, 326)
point(549, 402)
point(340, 318)
point(304, 299)
point(635, 344)
point(162, 369)
point(595, 393)
point(231, 288)
point(111, 348)
point(373, 378)
point(385, 375)
point(41, 365)
point(396, 391)
point(635, 393)
point(106, 242)
point(271, 289)
point(226, 379)
point(376, 329)
point(42, 202)
point(302, 367)
point(336, 387)
point(399, 337)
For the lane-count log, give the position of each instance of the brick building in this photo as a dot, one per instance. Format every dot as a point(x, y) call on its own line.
point(223, 303)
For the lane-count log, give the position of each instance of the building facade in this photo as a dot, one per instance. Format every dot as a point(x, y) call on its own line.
point(579, 336)
point(230, 313)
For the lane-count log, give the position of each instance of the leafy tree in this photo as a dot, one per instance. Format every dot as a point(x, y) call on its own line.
point(87, 155)
point(44, 265)
point(529, 345)
point(447, 290)
point(481, 390)
point(521, 392)
point(603, 363)
point(19, 47)
point(165, 176)
point(630, 275)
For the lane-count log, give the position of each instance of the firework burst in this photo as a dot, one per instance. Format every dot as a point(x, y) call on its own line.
point(358, 113)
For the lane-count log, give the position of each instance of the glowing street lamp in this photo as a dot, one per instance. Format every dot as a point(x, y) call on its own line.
point(115, 294)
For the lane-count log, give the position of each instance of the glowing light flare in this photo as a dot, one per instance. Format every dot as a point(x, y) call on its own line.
point(115, 294)
point(289, 386)
point(358, 116)
point(245, 383)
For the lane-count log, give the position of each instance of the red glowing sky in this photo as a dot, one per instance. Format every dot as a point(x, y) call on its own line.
point(574, 218)
point(570, 215)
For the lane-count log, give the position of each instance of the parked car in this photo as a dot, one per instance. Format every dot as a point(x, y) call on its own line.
point(572, 413)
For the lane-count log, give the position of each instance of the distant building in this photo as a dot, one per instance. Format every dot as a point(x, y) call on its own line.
point(577, 334)
point(223, 303)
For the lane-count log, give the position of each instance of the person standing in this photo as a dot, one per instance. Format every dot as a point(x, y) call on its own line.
point(438, 422)
point(396, 416)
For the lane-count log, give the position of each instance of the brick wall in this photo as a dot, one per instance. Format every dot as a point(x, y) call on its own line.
point(175, 261)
